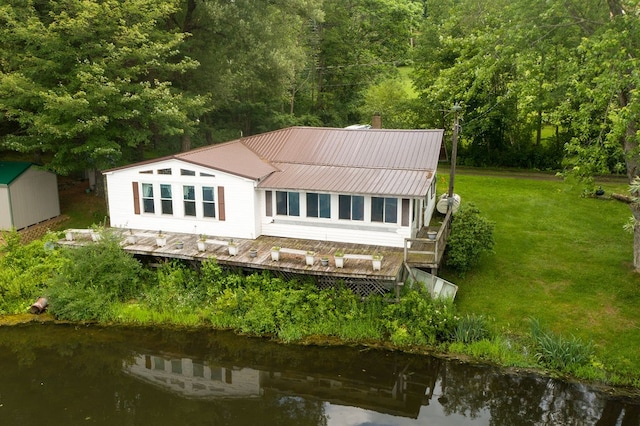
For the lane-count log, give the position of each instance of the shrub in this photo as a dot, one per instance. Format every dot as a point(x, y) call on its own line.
point(92, 277)
point(557, 352)
point(471, 235)
point(24, 270)
point(417, 319)
point(471, 328)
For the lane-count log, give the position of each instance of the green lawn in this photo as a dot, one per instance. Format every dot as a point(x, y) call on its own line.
point(559, 257)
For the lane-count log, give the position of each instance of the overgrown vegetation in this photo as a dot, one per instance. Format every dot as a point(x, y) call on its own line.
point(557, 352)
point(471, 235)
point(24, 270)
point(101, 282)
point(92, 278)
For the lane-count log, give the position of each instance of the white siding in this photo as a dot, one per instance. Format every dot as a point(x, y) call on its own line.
point(334, 229)
point(238, 193)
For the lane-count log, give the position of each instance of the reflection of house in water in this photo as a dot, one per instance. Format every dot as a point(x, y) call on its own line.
point(401, 392)
point(193, 379)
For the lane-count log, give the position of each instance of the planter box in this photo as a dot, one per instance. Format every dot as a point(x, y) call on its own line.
point(339, 261)
point(161, 241)
point(377, 264)
point(202, 246)
point(275, 255)
point(309, 259)
point(131, 239)
point(233, 250)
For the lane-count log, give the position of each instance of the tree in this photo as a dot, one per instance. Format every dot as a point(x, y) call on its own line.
point(519, 66)
point(87, 83)
point(360, 43)
point(252, 56)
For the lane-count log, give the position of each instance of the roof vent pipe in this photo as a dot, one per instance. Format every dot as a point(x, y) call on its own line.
point(376, 121)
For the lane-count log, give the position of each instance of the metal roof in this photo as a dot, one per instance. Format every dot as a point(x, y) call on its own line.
point(232, 157)
point(10, 170)
point(356, 161)
point(367, 161)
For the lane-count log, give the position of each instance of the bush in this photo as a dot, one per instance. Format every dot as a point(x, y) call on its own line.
point(92, 277)
point(24, 270)
point(417, 319)
point(471, 235)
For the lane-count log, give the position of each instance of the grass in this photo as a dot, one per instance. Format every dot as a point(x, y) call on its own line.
point(560, 258)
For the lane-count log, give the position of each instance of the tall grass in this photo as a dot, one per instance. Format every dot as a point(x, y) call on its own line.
point(557, 352)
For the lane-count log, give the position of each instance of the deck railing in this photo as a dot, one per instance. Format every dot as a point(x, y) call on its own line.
point(426, 251)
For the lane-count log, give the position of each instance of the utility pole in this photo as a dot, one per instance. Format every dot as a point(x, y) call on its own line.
point(454, 150)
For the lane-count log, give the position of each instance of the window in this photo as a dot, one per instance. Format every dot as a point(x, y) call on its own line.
point(147, 198)
point(165, 199)
point(164, 171)
point(189, 196)
point(208, 202)
point(318, 205)
point(351, 207)
point(203, 174)
point(288, 203)
point(185, 172)
point(384, 210)
point(146, 172)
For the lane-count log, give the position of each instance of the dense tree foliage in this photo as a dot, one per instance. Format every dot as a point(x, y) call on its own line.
point(84, 82)
point(526, 68)
point(99, 83)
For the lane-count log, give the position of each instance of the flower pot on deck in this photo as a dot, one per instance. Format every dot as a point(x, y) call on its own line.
point(309, 258)
point(339, 261)
point(275, 254)
point(161, 241)
point(376, 263)
point(233, 249)
point(202, 245)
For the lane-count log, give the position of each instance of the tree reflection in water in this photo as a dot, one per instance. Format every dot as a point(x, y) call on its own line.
point(164, 377)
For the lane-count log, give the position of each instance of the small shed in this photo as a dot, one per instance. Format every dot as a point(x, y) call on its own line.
point(28, 195)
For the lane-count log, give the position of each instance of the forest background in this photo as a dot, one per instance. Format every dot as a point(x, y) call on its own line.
point(96, 84)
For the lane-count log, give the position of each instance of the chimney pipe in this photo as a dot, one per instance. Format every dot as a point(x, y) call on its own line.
point(376, 121)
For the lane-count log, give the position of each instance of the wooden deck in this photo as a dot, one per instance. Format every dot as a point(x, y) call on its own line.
point(292, 256)
point(357, 272)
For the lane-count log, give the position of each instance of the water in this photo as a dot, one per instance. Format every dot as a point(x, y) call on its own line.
point(71, 375)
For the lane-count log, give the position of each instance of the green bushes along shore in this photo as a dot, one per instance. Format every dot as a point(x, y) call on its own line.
point(101, 282)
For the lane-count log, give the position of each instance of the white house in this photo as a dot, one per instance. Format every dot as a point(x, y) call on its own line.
point(367, 186)
point(28, 195)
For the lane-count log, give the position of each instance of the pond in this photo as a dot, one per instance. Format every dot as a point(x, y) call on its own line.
point(70, 375)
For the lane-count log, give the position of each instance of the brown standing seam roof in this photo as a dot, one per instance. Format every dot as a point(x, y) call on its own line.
point(369, 161)
point(356, 161)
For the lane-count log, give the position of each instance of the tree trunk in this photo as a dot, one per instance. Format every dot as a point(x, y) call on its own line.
point(185, 142)
point(635, 210)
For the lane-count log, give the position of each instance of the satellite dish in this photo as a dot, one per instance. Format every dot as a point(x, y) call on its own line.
point(443, 203)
